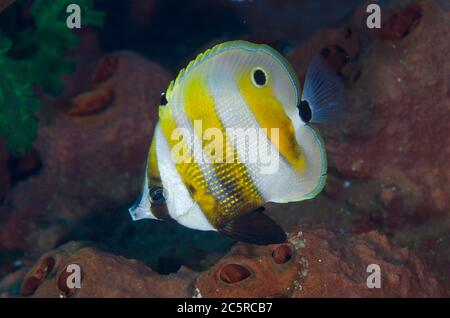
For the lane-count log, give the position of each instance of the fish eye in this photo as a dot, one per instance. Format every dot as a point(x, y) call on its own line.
point(259, 77)
point(305, 112)
point(163, 99)
point(158, 195)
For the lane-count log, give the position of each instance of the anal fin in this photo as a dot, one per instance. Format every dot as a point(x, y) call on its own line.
point(254, 228)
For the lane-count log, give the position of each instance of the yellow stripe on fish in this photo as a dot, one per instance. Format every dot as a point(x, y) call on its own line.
point(234, 188)
point(154, 183)
point(153, 170)
point(269, 113)
point(189, 171)
point(261, 146)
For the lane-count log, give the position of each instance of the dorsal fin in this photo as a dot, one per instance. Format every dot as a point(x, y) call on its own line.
point(200, 57)
point(249, 46)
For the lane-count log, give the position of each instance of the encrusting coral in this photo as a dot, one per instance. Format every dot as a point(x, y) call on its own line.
point(313, 263)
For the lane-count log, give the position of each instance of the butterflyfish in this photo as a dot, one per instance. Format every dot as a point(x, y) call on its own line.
point(234, 132)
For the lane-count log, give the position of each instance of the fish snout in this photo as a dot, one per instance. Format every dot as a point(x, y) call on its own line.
point(141, 209)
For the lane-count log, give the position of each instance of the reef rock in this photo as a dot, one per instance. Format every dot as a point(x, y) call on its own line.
point(394, 142)
point(252, 271)
point(409, 106)
point(273, 19)
point(319, 263)
point(93, 148)
point(338, 267)
point(312, 263)
point(102, 275)
point(398, 91)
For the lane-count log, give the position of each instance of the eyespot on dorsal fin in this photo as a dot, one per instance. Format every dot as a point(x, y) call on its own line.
point(323, 94)
point(254, 228)
point(163, 101)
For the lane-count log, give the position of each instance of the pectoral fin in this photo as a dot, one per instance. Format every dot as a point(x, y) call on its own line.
point(323, 99)
point(254, 228)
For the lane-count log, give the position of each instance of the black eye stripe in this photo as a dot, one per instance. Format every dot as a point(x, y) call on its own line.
point(259, 76)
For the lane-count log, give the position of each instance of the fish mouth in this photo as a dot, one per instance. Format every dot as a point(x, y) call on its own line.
point(140, 209)
point(136, 209)
point(134, 213)
point(135, 204)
